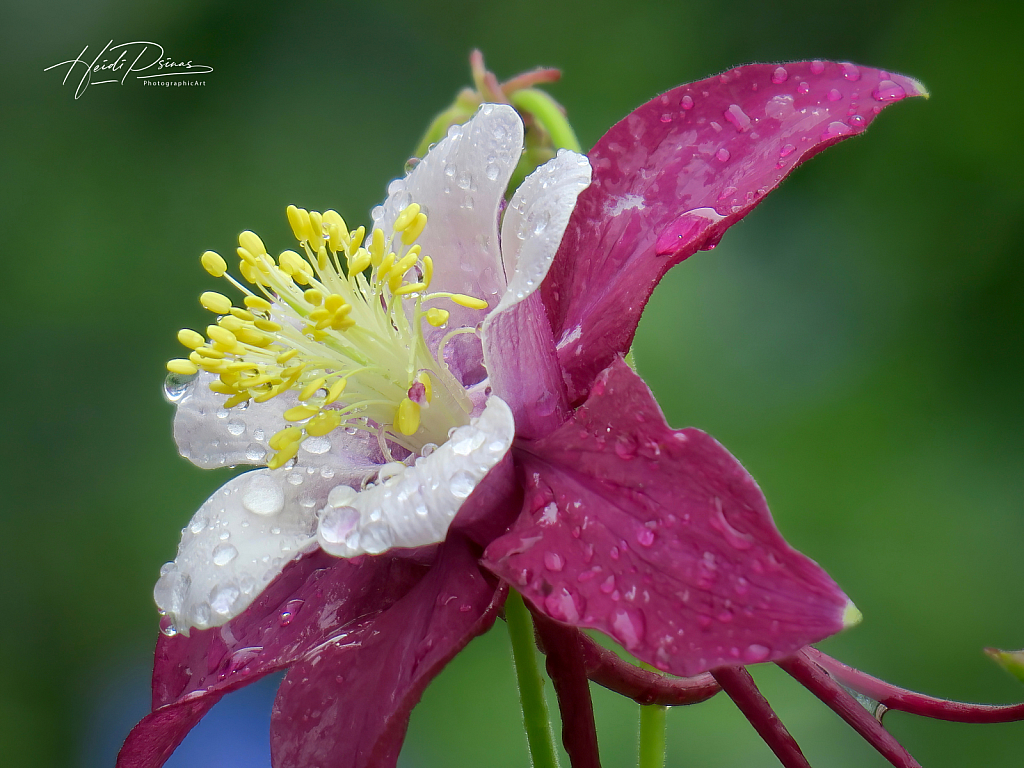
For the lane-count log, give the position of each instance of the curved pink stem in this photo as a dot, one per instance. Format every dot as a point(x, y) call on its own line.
point(740, 686)
point(894, 697)
point(608, 670)
point(820, 683)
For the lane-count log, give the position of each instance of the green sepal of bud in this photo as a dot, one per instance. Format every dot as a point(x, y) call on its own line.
point(1011, 661)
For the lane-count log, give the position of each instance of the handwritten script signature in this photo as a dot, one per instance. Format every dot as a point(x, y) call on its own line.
point(115, 63)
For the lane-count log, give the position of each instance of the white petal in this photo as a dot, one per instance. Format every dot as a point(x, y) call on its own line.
point(209, 436)
point(238, 541)
point(460, 185)
point(535, 221)
point(416, 504)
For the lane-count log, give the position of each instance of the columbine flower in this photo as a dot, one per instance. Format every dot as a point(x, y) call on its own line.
point(436, 387)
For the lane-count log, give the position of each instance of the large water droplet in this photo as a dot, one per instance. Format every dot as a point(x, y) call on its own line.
point(628, 627)
point(645, 537)
point(780, 75)
point(735, 115)
point(466, 439)
point(224, 554)
point(887, 91)
point(176, 386)
point(722, 155)
point(236, 427)
point(817, 67)
point(850, 71)
point(461, 484)
point(317, 445)
point(756, 653)
point(553, 561)
point(338, 522)
point(223, 597)
point(262, 495)
point(376, 538)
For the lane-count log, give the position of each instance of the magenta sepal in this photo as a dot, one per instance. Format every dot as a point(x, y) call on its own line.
point(678, 171)
point(660, 539)
point(348, 703)
point(318, 602)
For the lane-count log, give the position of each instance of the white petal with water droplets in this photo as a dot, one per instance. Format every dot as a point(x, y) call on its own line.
point(238, 541)
point(413, 506)
point(460, 185)
point(535, 221)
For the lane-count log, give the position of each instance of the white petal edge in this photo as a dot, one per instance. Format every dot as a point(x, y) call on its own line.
point(460, 185)
point(238, 542)
point(415, 505)
point(535, 222)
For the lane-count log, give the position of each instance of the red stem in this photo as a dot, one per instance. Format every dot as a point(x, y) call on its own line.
point(820, 683)
point(740, 686)
point(565, 667)
point(894, 697)
point(608, 670)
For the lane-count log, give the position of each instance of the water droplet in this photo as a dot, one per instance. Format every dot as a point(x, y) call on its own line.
point(645, 537)
point(464, 180)
point(236, 427)
point(756, 653)
point(834, 95)
point(338, 522)
point(176, 386)
point(491, 171)
point(780, 75)
point(722, 154)
point(376, 538)
point(197, 524)
point(817, 67)
point(787, 150)
point(835, 129)
point(341, 496)
point(262, 495)
point(608, 585)
point(317, 445)
point(857, 121)
point(461, 484)
point(258, 433)
point(255, 452)
point(466, 439)
point(735, 115)
point(803, 89)
point(563, 606)
point(628, 627)
point(850, 71)
point(294, 478)
point(625, 447)
point(553, 561)
point(666, 118)
point(686, 102)
point(224, 554)
point(223, 597)
point(887, 91)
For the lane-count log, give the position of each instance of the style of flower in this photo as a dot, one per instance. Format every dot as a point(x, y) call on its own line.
point(444, 410)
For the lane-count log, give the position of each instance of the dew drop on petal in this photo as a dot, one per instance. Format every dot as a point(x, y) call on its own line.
point(224, 553)
point(262, 495)
point(756, 653)
point(803, 89)
point(176, 385)
point(834, 95)
point(236, 427)
point(722, 155)
point(850, 71)
point(628, 627)
point(787, 150)
point(686, 102)
point(317, 445)
point(337, 524)
point(461, 484)
point(645, 537)
point(553, 561)
point(887, 91)
point(817, 67)
point(780, 75)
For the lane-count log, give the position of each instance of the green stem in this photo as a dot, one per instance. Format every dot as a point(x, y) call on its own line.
point(546, 111)
point(531, 685)
point(652, 737)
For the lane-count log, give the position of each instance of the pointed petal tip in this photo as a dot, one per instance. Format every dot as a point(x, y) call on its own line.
point(918, 88)
point(1011, 661)
point(851, 615)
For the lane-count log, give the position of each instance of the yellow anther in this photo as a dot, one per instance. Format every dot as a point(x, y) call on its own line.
point(214, 263)
point(251, 274)
point(234, 400)
point(406, 217)
point(311, 389)
point(376, 247)
point(213, 354)
point(334, 302)
point(319, 314)
point(182, 367)
point(407, 418)
point(316, 230)
point(222, 389)
point(267, 325)
point(248, 257)
point(298, 218)
point(340, 321)
point(258, 303)
point(323, 423)
point(424, 379)
point(215, 302)
point(283, 456)
point(242, 365)
point(428, 267)
point(335, 391)
point(256, 381)
point(252, 243)
point(190, 338)
point(253, 337)
point(270, 393)
point(242, 314)
point(410, 288)
point(313, 296)
point(360, 261)
point(231, 322)
point(385, 265)
point(404, 264)
point(334, 219)
point(284, 357)
point(437, 317)
point(415, 229)
point(223, 335)
point(284, 437)
point(356, 238)
point(468, 301)
point(300, 412)
point(337, 230)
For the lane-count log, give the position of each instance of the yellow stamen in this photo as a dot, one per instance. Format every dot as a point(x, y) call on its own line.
point(283, 456)
point(468, 301)
point(335, 391)
point(258, 303)
point(437, 317)
point(238, 399)
point(252, 243)
point(415, 229)
point(406, 217)
point(284, 437)
point(214, 263)
point(182, 367)
point(376, 247)
point(311, 389)
point(300, 412)
point(408, 288)
point(223, 335)
point(323, 423)
point(407, 419)
point(298, 218)
point(215, 302)
point(190, 338)
point(359, 262)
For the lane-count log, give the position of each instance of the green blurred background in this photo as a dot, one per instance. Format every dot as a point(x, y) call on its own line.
point(858, 341)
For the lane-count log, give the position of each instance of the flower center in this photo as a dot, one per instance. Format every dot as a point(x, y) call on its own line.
point(341, 325)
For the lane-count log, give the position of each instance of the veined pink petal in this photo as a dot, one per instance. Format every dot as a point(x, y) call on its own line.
point(673, 175)
point(316, 599)
point(347, 705)
point(660, 539)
